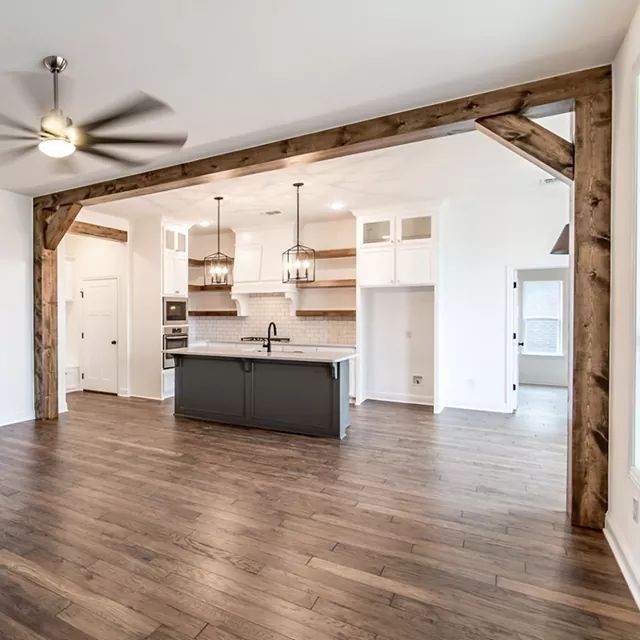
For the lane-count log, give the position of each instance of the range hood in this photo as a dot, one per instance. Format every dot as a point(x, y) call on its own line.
point(257, 265)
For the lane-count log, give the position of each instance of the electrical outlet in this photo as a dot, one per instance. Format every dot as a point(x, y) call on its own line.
point(636, 510)
point(417, 381)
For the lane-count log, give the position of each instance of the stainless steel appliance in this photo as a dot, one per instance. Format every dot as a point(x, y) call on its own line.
point(174, 311)
point(173, 338)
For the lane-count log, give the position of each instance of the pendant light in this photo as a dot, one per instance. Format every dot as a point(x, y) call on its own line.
point(299, 262)
point(217, 266)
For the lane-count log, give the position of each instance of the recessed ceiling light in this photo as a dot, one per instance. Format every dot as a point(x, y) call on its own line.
point(204, 223)
point(337, 205)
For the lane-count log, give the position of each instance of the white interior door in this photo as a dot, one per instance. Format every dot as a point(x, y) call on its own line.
point(100, 335)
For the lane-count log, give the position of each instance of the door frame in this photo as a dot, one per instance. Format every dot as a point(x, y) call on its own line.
point(512, 323)
point(505, 115)
point(117, 314)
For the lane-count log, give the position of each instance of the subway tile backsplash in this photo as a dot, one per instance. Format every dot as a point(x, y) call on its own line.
point(273, 307)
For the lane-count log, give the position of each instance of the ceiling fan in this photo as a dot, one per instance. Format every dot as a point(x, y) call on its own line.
point(58, 137)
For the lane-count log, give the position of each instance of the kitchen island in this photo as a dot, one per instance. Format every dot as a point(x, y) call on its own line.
point(296, 392)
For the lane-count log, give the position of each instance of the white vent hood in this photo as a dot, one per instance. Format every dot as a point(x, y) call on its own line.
point(258, 263)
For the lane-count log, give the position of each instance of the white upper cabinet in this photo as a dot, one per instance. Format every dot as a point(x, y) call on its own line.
point(395, 251)
point(175, 262)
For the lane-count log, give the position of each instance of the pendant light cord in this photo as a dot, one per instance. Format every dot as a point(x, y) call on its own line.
point(298, 214)
point(218, 226)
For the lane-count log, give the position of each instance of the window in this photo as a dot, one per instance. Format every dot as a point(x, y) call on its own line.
point(542, 317)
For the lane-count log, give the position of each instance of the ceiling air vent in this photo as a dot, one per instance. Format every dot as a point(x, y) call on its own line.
point(273, 212)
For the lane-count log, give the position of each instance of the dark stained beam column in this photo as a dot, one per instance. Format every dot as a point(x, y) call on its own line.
point(59, 223)
point(531, 141)
point(45, 320)
point(589, 442)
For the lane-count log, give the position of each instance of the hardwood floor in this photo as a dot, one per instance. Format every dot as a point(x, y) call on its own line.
point(123, 522)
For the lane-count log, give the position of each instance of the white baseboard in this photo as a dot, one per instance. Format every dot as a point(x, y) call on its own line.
point(466, 407)
point(146, 397)
point(629, 571)
point(18, 418)
point(405, 398)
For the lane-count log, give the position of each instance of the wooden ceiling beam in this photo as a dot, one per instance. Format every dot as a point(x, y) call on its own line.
point(531, 141)
point(59, 223)
point(544, 97)
point(98, 231)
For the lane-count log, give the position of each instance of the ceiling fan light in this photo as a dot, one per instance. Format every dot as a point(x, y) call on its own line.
point(56, 147)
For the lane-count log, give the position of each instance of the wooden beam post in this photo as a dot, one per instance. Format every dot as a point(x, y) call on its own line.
point(589, 442)
point(531, 141)
point(45, 320)
point(59, 224)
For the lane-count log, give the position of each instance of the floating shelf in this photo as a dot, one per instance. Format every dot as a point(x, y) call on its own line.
point(349, 252)
point(213, 312)
point(326, 313)
point(209, 287)
point(194, 262)
point(328, 284)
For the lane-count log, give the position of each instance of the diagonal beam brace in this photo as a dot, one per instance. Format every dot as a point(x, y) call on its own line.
point(532, 141)
point(59, 223)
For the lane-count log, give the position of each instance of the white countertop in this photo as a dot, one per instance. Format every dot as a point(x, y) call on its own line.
point(328, 357)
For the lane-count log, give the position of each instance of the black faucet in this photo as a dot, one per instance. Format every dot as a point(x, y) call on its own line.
point(275, 333)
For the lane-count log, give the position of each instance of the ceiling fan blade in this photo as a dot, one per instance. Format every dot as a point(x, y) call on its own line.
point(107, 155)
point(11, 136)
point(135, 107)
point(12, 155)
point(12, 123)
point(176, 140)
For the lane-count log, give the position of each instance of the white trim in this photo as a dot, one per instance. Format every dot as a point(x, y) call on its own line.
point(491, 409)
point(634, 476)
point(630, 573)
point(18, 419)
point(634, 465)
point(147, 398)
point(406, 398)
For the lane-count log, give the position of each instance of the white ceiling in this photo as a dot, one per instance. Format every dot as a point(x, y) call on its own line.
point(250, 71)
point(416, 175)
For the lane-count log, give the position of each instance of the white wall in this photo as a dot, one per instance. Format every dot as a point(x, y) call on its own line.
point(547, 370)
point(399, 343)
point(16, 315)
point(622, 531)
point(145, 246)
point(478, 240)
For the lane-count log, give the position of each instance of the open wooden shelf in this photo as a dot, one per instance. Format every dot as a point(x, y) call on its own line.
point(194, 262)
point(213, 312)
point(328, 284)
point(349, 252)
point(326, 313)
point(209, 287)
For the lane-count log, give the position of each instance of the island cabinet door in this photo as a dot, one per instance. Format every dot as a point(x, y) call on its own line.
point(211, 388)
point(303, 398)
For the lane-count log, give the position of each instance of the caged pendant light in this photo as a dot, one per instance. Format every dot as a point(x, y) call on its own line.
point(217, 266)
point(299, 262)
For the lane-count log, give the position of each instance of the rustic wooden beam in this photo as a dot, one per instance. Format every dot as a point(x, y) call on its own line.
point(98, 231)
point(59, 223)
point(45, 320)
point(589, 442)
point(542, 97)
point(531, 141)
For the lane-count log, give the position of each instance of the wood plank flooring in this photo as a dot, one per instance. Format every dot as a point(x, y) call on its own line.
point(122, 522)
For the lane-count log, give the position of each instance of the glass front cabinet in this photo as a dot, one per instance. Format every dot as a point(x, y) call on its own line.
point(396, 251)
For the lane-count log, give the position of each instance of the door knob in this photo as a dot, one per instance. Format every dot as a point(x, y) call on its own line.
point(114, 342)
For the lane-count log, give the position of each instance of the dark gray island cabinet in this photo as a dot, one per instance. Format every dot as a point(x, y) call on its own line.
point(305, 393)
